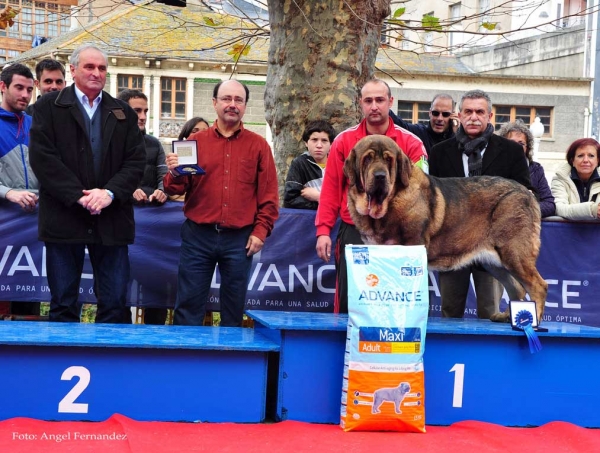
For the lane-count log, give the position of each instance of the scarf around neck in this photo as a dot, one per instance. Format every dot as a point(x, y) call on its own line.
point(473, 147)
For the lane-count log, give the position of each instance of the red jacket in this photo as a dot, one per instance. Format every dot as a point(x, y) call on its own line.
point(334, 194)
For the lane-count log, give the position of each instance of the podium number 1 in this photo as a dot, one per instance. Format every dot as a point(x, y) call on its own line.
point(67, 404)
point(459, 383)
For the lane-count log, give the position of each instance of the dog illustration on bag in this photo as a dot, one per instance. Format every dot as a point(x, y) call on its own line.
point(393, 395)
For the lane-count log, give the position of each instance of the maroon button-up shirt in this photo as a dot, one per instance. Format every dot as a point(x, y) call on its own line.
point(240, 184)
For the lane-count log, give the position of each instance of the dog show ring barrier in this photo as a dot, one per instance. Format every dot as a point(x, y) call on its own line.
point(290, 367)
point(474, 370)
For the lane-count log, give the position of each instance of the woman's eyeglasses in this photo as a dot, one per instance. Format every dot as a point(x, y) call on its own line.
point(444, 114)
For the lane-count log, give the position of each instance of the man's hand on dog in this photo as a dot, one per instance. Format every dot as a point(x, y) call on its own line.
point(324, 247)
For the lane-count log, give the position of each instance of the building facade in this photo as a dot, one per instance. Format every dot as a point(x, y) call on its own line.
point(177, 68)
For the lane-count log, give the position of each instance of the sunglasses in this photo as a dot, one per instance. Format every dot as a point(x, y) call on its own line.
point(444, 114)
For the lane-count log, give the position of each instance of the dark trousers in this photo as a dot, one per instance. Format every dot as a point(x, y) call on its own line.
point(454, 288)
point(155, 316)
point(347, 235)
point(202, 248)
point(110, 264)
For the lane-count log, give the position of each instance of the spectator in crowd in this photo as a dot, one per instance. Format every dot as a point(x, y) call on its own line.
point(192, 126)
point(305, 175)
point(375, 101)
point(443, 122)
point(88, 154)
point(151, 188)
point(50, 76)
point(518, 132)
point(474, 151)
point(18, 184)
point(576, 184)
point(230, 210)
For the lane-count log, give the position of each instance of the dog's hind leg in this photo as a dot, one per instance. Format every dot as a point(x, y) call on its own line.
point(514, 289)
point(524, 271)
point(377, 402)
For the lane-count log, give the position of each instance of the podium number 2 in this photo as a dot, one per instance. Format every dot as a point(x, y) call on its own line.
point(67, 404)
point(459, 383)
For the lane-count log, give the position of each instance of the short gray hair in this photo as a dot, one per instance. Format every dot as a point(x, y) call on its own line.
point(476, 94)
point(520, 127)
point(74, 60)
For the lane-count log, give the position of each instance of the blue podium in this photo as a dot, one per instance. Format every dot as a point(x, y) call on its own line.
point(474, 370)
point(307, 380)
point(90, 371)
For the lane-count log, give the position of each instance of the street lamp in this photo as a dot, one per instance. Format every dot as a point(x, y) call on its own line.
point(537, 130)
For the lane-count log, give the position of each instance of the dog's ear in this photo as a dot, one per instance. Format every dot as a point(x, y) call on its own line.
point(351, 170)
point(404, 168)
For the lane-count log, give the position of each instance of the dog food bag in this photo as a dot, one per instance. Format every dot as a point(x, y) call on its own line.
point(388, 303)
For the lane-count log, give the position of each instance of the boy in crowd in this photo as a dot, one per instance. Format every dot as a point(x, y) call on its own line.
point(305, 176)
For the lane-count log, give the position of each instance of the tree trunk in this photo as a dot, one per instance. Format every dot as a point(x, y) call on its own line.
point(320, 55)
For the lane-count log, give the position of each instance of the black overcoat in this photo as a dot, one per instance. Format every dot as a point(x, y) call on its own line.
point(61, 157)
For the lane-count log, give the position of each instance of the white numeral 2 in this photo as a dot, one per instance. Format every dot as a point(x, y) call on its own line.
point(459, 383)
point(67, 404)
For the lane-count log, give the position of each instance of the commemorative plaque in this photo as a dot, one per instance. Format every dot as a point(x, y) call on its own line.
point(187, 155)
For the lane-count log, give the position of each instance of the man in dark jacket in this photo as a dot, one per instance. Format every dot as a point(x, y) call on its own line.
point(475, 151)
point(442, 124)
point(305, 176)
point(151, 189)
point(89, 157)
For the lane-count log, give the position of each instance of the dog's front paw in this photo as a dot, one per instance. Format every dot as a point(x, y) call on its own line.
point(500, 317)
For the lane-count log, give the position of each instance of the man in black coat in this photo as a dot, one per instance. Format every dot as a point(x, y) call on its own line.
point(150, 189)
point(475, 151)
point(89, 157)
point(443, 121)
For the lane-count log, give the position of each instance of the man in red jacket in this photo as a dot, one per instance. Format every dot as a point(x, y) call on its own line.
point(375, 100)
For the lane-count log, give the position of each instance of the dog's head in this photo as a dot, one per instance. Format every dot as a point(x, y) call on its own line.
point(404, 387)
point(376, 169)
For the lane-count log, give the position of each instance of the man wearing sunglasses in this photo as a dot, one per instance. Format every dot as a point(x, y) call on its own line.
point(475, 151)
point(443, 122)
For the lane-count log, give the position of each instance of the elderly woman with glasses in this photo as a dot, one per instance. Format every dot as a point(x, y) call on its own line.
point(576, 184)
point(518, 132)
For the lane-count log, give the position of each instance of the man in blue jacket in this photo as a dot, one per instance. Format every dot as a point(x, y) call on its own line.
point(18, 184)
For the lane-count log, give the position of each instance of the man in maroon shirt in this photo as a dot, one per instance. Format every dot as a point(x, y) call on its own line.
point(230, 210)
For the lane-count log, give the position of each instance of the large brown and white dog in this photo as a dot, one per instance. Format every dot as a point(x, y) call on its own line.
point(487, 220)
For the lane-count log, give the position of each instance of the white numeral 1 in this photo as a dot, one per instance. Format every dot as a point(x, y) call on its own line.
point(67, 404)
point(459, 383)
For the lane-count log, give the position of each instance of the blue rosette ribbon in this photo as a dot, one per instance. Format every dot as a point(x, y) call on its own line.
point(524, 321)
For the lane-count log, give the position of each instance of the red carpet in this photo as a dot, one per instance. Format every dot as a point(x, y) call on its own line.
point(123, 435)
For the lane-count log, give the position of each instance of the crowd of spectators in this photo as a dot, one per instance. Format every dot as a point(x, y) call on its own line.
point(457, 141)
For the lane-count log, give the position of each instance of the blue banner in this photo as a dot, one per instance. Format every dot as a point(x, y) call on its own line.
point(286, 275)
